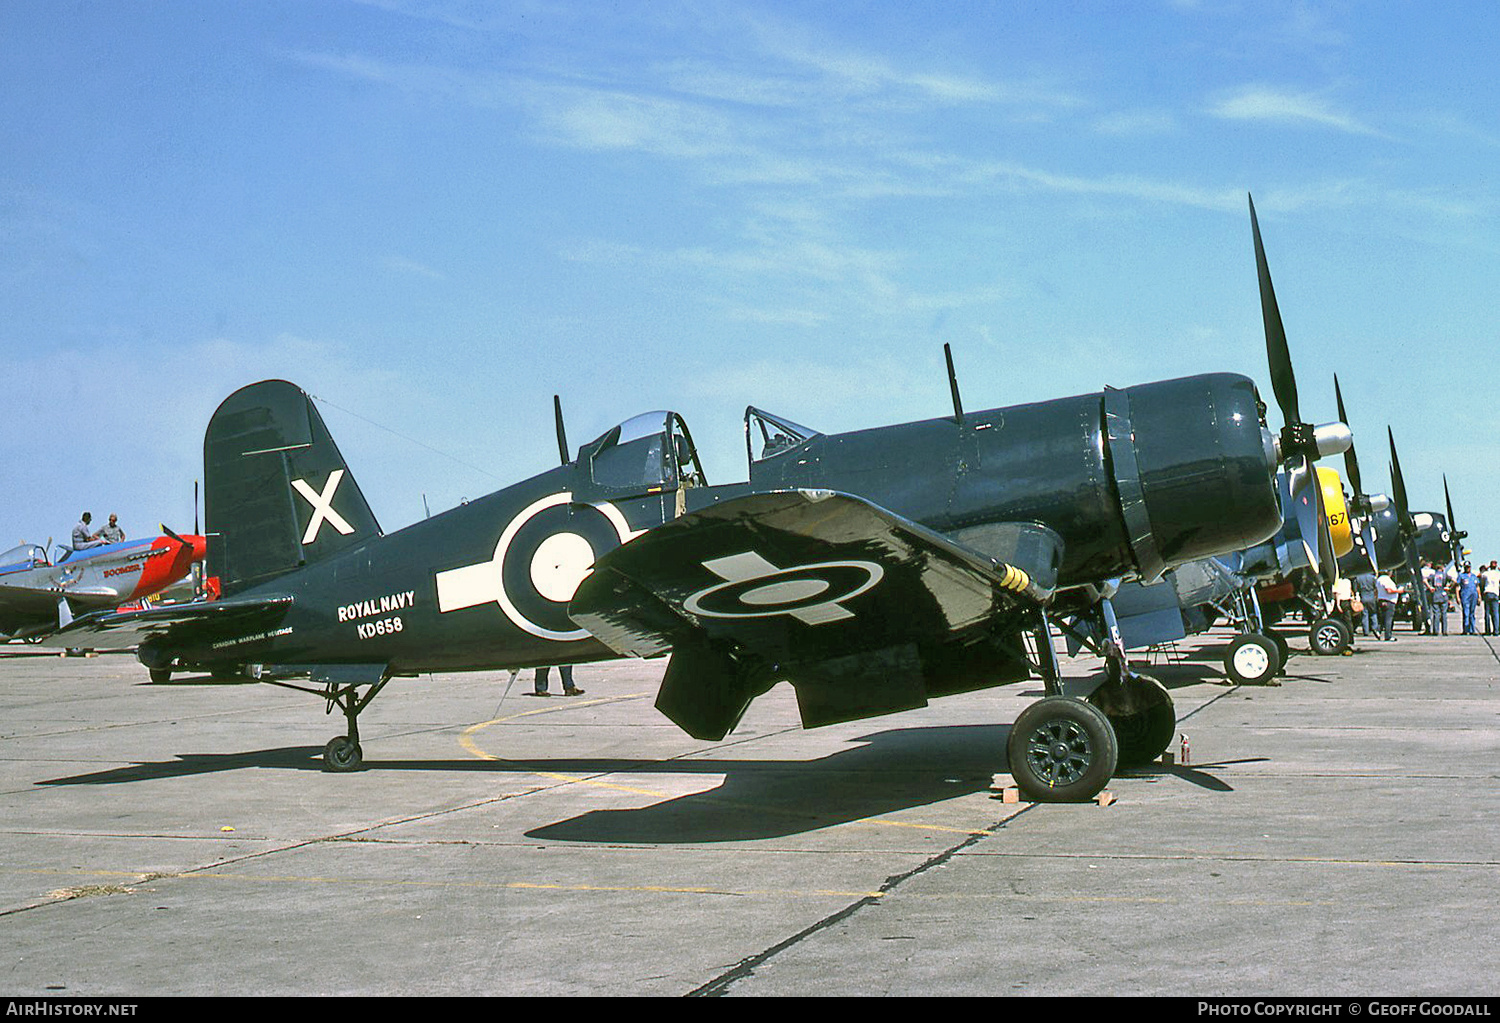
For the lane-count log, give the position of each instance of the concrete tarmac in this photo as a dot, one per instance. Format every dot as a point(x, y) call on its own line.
point(1335, 836)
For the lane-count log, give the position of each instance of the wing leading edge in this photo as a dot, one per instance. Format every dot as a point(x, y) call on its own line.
point(864, 612)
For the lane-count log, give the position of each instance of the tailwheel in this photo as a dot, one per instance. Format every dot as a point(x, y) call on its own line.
point(342, 754)
point(1329, 637)
point(1253, 659)
point(1140, 711)
point(1062, 750)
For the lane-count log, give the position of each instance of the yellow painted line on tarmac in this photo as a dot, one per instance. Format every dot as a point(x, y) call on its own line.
point(923, 827)
point(141, 879)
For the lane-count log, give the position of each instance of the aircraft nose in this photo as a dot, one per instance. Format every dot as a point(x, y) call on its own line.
point(199, 545)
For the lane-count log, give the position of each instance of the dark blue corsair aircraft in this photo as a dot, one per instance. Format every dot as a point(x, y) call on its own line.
point(872, 570)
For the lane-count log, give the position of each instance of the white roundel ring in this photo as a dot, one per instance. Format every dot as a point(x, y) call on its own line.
point(755, 588)
point(559, 564)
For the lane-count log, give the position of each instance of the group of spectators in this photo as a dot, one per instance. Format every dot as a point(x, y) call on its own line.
point(1469, 587)
point(1369, 601)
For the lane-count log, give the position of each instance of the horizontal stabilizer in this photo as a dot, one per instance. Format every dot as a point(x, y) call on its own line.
point(180, 625)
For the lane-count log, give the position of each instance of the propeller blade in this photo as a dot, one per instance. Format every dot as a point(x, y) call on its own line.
point(1351, 461)
point(1398, 483)
point(196, 530)
point(1368, 533)
point(1455, 535)
point(562, 437)
point(1330, 561)
point(1307, 508)
point(1283, 379)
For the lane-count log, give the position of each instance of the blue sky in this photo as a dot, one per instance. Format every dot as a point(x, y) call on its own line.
point(435, 215)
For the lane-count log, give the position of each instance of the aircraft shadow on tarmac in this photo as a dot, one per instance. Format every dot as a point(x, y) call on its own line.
point(886, 772)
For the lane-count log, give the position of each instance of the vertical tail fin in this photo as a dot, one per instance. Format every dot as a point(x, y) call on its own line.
point(277, 493)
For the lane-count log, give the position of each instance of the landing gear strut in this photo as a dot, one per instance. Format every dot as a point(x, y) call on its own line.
point(1066, 749)
point(343, 752)
point(1061, 749)
point(1257, 655)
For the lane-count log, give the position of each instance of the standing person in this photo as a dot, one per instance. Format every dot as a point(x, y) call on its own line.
point(1387, 592)
point(1364, 585)
point(1425, 582)
point(82, 538)
point(1437, 601)
point(568, 688)
point(112, 533)
point(1490, 578)
point(1343, 602)
point(1468, 597)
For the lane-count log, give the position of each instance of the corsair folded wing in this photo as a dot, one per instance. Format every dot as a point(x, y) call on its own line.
point(864, 612)
point(176, 625)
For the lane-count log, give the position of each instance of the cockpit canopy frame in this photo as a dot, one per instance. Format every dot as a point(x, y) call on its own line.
point(22, 557)
point(649, 453)
point(770, 436)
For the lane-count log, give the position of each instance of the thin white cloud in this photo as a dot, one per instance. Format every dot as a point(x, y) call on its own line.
point(1283, 106)
point(411, 268)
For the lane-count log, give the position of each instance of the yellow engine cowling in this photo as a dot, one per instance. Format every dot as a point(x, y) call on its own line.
point(1337, 511)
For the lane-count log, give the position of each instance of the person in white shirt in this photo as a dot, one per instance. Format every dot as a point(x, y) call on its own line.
point(1343, 602)
point(1437, 601)
point(1490, 579)
point(1387, 591)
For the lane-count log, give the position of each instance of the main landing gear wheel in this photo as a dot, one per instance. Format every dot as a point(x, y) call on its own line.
point(1141, 713)
point(160, 675)
point(1329, 637)
point(1062, 750)
point(1282, 646)
point(342, 754)
point(1252, 659)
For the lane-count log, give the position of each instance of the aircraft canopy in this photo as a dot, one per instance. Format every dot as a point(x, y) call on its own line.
point(648, 452)
point(18, 559)
point(767, 436)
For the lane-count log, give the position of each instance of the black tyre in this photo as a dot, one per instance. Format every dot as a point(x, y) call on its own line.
point(1329, 637)
point(160, 675)
point(1252, 659)
point(1062, 750)
point(342, 754)
point(1142, 716)
point(1283, 648)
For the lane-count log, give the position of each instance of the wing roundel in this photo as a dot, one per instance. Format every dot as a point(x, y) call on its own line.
point(864, 612)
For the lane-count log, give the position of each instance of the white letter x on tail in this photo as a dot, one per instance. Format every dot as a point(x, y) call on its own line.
point(322, 507)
